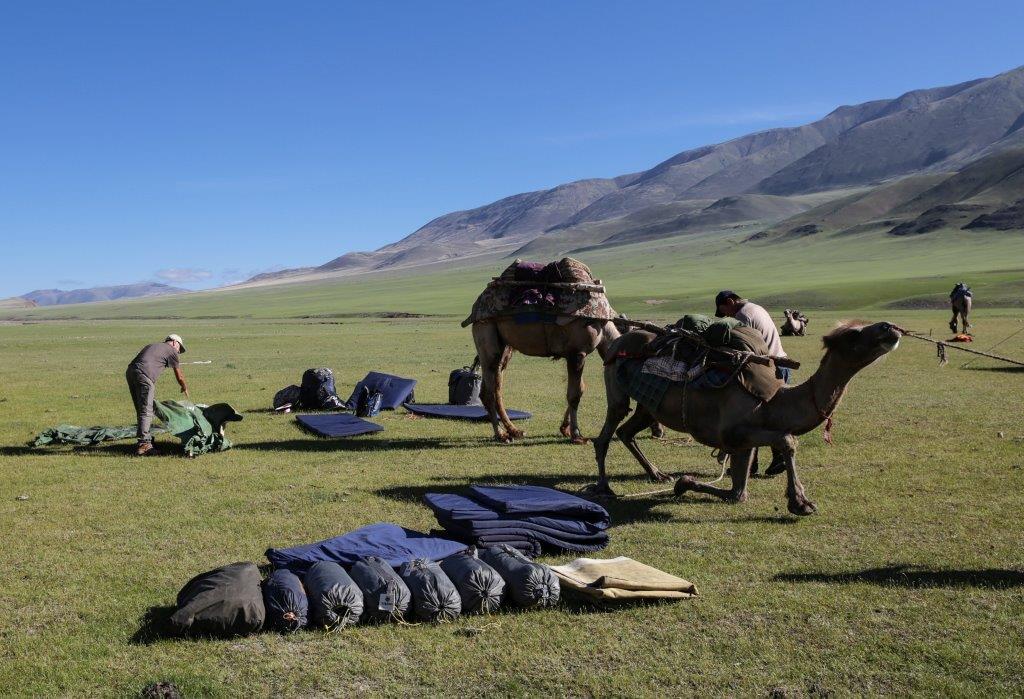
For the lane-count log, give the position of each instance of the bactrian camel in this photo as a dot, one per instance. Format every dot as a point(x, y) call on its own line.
point(733, 421)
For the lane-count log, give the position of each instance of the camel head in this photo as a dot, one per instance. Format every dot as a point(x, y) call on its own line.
point(859, 344)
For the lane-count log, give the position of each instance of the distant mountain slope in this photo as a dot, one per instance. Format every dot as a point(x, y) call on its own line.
point(936, 130)
point(57, 297)
point(17, 302)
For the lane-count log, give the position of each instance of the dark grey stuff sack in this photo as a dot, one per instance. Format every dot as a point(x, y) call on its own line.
point(285, 600)
point(334, 599)
point(464, 387)
point(225, 601)
point(434, 597)
point(479, 585)
point(527, 584)
point(385, 595)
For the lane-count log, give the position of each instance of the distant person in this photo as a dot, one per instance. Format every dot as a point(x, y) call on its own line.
point(729, 303)
point(142, 374)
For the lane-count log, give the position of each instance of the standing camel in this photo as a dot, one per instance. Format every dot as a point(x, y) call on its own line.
point(497, 338)
point(732, 420)
point(960, 300)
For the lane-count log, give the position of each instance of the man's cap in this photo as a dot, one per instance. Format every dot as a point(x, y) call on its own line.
point(176, 338)
point(722, 297)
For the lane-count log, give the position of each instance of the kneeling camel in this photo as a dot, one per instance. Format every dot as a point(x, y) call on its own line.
point(732, 420)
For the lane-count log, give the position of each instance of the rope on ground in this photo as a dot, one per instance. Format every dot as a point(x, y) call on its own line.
point(1012, 335)
point(941, 348)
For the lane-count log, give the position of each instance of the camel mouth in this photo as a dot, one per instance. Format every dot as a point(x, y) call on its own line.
point(891, 345)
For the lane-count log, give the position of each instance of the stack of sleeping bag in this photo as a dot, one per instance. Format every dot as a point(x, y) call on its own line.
point(529, 518)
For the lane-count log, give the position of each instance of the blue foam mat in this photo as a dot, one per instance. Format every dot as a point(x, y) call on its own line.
point(338, 425)
point(395, 389)
point(459, 412)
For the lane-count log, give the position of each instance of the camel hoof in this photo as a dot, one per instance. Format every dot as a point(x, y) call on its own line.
point(657, 431)
point(802, 509)
point(660, 477)
point(565, 431)
point(515, 434)
point(579, 440)
point(598, 491)
point(503, 438)
point(684, 484)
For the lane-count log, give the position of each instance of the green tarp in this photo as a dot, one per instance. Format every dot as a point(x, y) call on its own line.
point(198, 428)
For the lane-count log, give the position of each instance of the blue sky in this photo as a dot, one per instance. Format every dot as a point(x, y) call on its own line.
point(201, 142)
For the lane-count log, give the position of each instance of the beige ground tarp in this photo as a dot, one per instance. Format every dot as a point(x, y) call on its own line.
point(621, 578)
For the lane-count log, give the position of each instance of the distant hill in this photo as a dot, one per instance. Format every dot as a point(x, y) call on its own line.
point(17, 302)
point(863, 161)
point(58, 297)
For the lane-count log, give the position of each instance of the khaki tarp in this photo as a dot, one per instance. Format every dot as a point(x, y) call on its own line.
point(621, 578)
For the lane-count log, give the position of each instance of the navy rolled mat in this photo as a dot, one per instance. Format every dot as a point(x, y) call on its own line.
point(393, 543)
point(338, 425)
point(394, 389)
point(459, 412)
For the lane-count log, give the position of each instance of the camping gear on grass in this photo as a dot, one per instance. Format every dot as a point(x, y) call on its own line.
point(527, 584)
point(459, 412)
point(225, 601)
point(317, 391)
point(335, 600)
point(533, 292)
point(287, 398)
point(464, 386)
point(368, 403)
point(85, 436)
point(480, 587)
point(470, 520)
point(536, 499)
point(385, 594)
point(337, 425)
point(394, 544)
point(199, 427)
point(285, 601)
point(394, 390)
point(620, 579)
point(434, 597)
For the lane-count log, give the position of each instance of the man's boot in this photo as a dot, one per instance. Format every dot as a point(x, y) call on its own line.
point(146, 449)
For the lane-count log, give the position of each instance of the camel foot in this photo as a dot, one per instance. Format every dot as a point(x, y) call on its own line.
point(598, 491)
point(801, 508)
point(737, 498)
point(684, 484)
point(515, 433)
point(659, 477)
point(579, 439)
point(565, 431)
point(503, 438)
point(657, 431)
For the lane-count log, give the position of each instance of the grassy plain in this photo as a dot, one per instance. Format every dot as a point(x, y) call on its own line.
point(910, 580)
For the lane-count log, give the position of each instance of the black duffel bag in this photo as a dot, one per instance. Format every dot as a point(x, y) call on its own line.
point(225, 601)
point(434, 597)
point(464, 386)
point(385, 595)
point(334, 599)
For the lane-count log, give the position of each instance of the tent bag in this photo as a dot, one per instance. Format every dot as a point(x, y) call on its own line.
point(434, 597)
point(464, 387)
point(285, 600)
point(528, 584)
point(385, 595)
point(225, 601)
point(479, 585)
point(334, 600)
point(317, 391)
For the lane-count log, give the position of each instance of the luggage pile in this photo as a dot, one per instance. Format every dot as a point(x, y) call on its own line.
point(341, 582)
point(528, 518)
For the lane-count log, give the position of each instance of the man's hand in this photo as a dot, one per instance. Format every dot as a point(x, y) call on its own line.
point(184, 388)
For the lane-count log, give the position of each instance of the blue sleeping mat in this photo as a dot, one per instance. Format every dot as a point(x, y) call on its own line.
point(393, 543)
point(338, 425)
point(459, 412)
point(395, 389)
point(525, 500)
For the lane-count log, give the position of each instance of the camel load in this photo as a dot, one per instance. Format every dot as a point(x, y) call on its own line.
point(555, 292)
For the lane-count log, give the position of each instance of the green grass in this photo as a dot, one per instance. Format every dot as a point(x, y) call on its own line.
point(919, 477)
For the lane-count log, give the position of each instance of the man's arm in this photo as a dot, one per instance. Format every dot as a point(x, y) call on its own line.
point(181, 379)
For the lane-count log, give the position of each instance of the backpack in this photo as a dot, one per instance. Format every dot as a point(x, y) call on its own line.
point(287, 397)
point(464, 387)
point(368, 403)
point(317, 390)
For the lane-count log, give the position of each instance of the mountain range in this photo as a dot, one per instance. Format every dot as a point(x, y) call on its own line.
point(58, 297)
point(889, 163)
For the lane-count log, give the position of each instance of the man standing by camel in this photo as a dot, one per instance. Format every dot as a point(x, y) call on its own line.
point(142, 374)
point(729, 303)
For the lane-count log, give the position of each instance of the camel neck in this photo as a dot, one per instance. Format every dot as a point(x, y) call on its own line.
point(814, 401)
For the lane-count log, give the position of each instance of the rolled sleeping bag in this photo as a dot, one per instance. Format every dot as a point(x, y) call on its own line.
point(334, 599)
point(385, 595)
point(285, 600)
point(225, 601)
point(434, 597)
point(480, 586)
point(527, 584)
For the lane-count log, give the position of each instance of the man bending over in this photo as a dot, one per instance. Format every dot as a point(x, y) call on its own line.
point(142, 374)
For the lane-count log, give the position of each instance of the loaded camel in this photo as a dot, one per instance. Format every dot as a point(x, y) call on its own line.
point(495, 341)
point(732, 420)
point(960, 301)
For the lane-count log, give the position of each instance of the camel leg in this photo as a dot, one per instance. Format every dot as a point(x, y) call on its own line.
point(511, 430)
point(573, 393)
point(618, 408)
point(798, 504)
point(739, 472)
point(952, 323)
point(490, 373)
point(639, 421)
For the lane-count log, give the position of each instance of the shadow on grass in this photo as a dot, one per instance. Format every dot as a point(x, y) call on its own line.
point(65, 449)
point(155, 625)
point(906, 575)
point(998, 369)
point(391, 444)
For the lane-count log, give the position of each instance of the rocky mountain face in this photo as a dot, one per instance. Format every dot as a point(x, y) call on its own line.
point(923, 133)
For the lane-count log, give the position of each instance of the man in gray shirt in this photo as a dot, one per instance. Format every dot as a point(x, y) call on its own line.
point(142, 374)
